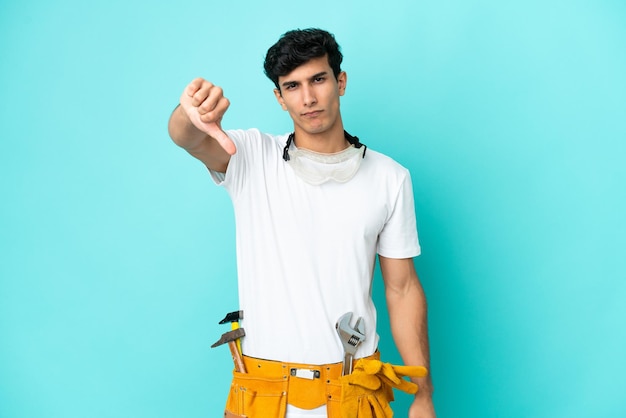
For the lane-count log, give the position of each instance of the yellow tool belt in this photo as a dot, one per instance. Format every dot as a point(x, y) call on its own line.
point(268, 386)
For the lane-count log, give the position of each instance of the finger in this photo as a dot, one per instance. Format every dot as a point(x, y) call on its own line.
point(216, 113)
point(186, 102)
point(185, 99)
point(202, 94)
point(194, 86)
point(214, 96)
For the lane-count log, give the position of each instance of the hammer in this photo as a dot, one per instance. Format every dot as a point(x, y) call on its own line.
point(233, 318)
point(231, 338)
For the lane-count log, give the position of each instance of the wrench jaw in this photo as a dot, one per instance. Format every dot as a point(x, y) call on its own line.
point(350, 339)
point(360, 327)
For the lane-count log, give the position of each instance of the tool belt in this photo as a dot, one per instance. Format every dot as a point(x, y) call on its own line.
point(268, 386)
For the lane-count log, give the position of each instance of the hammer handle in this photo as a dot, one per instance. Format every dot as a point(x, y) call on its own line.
point(237, 359)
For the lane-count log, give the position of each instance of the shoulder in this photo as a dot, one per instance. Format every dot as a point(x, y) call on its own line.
point(252, 134)
point(256, 148)
point(383, 165)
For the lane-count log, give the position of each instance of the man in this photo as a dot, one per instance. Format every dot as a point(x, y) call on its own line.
point(312, 209)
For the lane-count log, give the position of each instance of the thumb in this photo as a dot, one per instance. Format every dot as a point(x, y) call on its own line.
point(214, 130)
point(211, 128)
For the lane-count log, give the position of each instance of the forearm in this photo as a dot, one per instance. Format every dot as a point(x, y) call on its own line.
point(406, 304)
point(409, 327)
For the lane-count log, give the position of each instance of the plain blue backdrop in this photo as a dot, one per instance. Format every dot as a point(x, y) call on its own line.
point(117, 252)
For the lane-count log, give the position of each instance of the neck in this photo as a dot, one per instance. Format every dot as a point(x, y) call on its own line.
point(348, 138)
point(327, 142)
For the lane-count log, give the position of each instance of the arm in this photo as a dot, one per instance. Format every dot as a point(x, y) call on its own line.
point(407, 308)
point(195, 124)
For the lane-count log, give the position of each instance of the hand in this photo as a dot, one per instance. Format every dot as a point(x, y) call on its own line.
point(205, 105)
point(422, 407)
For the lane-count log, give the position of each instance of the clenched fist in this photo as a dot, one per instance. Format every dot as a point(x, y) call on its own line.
point(205, 105)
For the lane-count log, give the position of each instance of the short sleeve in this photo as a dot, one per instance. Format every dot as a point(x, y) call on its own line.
point(233, 179)
point(399, 239)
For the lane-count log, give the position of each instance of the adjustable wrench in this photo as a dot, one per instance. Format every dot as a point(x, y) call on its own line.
point(350, 338)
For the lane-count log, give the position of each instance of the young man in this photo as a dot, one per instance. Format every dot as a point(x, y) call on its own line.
point(312, 208)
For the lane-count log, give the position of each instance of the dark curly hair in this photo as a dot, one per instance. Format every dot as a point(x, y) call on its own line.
point(299, 46)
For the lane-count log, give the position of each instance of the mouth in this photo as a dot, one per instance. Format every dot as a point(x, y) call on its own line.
point(312, 114)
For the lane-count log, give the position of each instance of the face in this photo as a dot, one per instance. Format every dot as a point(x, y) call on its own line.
point(310, 94)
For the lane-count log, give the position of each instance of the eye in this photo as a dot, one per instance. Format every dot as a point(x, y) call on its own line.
point(290, 86)
point(319, 79)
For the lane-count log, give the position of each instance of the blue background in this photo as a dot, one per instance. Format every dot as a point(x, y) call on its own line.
point(117, 252)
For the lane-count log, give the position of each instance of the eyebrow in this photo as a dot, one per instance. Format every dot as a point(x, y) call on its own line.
point(322, 73)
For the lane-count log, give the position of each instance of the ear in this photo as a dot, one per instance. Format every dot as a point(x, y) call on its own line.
point(280, 99)
point(342, 82)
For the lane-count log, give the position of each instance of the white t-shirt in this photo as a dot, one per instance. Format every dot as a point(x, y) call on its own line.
point(306, 254)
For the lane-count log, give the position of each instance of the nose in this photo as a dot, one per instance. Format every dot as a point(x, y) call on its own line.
point(308, 96)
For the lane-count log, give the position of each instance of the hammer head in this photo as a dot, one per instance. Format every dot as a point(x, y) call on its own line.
point(232, 317)
point(229, 336)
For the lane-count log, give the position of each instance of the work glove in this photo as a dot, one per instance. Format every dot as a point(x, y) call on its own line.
point(367, 391)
